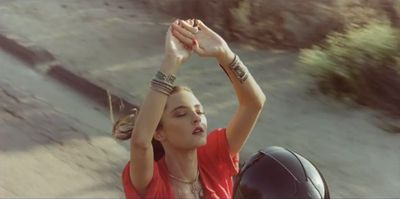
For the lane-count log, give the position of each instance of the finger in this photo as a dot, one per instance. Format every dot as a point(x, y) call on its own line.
point(176, 22)
point(189, 48)
point(188, 27)
point(185, 45)
point(198, 49)
point(190, 22)
point(170, 28)
point(201, 25)
point(185, 40)
point(183, 31)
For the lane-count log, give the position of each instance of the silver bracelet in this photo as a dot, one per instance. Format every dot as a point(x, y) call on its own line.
point(161, 88)
point(163, 83)
point(239, 69)
point(170, 79)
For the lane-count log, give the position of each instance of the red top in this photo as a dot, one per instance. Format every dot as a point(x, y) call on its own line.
point(216, 166)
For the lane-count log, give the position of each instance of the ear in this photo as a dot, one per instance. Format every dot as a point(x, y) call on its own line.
point(159, 135)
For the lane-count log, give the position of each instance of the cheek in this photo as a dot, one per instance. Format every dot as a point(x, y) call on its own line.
point(177, 126)
point(204, 119)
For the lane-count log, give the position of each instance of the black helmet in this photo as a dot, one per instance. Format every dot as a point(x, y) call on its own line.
point(276, 172)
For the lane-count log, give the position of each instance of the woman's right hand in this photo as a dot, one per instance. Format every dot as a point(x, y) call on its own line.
point(174, 49)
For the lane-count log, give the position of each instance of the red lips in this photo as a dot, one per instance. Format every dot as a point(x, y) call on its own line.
point(198, 129)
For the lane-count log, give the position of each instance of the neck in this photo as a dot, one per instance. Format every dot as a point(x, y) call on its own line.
point(182, 164)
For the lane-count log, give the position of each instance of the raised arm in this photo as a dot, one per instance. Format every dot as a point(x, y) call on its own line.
point(141, 167)
point(251, 101)
point(250, 96)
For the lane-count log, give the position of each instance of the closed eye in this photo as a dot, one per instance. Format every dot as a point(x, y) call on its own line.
point(183, 113)
point(180, 112)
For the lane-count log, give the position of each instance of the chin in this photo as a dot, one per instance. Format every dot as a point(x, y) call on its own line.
point(202, 142)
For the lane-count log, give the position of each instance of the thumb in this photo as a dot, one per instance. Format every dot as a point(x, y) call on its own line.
point(196, 47)
point(199, 50)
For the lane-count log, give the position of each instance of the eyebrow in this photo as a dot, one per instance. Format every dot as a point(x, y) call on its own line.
point(183, 106)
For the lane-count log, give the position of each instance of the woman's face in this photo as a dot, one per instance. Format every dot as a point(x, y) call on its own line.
point(184, 124)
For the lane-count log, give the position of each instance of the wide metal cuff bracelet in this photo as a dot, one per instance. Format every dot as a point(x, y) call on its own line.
point(170, 79)
point(239, 69)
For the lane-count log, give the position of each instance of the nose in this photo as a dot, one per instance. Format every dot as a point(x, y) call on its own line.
point(196, 118)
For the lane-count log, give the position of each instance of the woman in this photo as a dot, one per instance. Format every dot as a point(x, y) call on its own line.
point(194, 164)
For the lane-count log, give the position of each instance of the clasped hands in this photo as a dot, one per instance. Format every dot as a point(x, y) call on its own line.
point(192, 35)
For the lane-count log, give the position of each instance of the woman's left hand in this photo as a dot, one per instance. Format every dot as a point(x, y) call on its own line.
point(203, 40)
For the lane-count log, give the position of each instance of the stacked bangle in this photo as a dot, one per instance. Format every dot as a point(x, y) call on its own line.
point(163, 83)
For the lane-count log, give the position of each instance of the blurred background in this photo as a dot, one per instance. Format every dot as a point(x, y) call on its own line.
point(70, 68)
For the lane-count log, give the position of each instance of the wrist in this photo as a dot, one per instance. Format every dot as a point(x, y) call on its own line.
point(226, 57)
point(170, 64)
